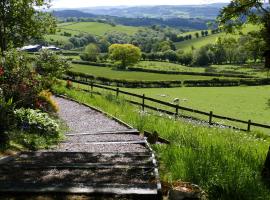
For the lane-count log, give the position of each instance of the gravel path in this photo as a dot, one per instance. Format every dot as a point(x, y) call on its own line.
point(83, 120)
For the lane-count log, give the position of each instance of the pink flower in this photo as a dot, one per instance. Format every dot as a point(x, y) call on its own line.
point(1, 71)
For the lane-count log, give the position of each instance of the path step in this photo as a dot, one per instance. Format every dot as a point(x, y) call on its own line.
point(80, 173)
point(104, 138)
point(128, 131)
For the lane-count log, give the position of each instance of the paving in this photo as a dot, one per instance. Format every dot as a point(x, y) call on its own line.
point(100, 159)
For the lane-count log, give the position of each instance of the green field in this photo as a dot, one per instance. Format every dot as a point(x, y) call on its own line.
point(238, 102)
point(59, 38)
point(210, 39)
point(94, 28)
point(249, 69)
point(131, 75)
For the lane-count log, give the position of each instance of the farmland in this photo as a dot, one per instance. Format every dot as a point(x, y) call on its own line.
point(187, 45)
point(131, 75)
point(95, 28)
point(249, 69)
point(237, 102)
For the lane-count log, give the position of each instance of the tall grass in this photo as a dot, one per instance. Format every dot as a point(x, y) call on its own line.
point(225, 163)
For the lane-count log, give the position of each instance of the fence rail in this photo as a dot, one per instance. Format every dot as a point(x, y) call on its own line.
point(177, 108)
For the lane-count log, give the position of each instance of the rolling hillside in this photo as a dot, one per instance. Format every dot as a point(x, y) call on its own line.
point(95, 28)
point(199, 42)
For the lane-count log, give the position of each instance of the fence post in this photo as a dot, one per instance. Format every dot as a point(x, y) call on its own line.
point(117, 92)
point(210, 117)
point(176, 111)
point(249, 125)
point(143, 99)
point(92, 88)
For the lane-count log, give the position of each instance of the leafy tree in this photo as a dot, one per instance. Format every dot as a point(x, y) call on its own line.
point(254, 44)
point(219, 53)
point(197, 35)
point(202, 33)
point(230, 45)
point(91, 52)
point(171, 55)
point(20, 21)
point(124, 54)
point(239, 12)
point(103, 44)
point(202, 56)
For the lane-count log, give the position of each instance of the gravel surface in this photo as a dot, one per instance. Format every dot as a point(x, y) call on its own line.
point(82, 119)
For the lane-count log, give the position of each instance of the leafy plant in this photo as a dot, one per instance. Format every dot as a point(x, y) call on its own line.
point(46, 103)
point(6, 118)
point(17, 79)
point(34, 121)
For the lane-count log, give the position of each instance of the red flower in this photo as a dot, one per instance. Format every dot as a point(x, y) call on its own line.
point(1, 71)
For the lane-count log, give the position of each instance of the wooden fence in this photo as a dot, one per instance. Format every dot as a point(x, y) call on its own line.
point(177, 108)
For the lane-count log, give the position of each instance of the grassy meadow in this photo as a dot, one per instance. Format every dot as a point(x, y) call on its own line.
point(231, 163)
point(246, 103)
point(187, 45)
point(249, 69)
point(94, 28)
point(132, 75)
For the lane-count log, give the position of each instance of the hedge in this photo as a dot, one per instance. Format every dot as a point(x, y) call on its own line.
point(189, 73)
point(120, 83)
point(81, 62)
point(216, 82)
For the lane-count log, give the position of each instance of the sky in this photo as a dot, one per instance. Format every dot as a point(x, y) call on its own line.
point(94, 3)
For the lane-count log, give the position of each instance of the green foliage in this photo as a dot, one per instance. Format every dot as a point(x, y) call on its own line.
point(6, 118)
point(91, 53)
point(50, 66)
point(18, 81)
point(46, 103)
point(255, 11)
point(202, 56)
point(20, 21)
point(124, 54)
point(36, 122)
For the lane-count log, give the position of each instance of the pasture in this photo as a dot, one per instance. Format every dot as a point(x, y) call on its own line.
point(248, 69)
point(187, 45)
point(238, 102)
point(94, 28)
point(132, 75)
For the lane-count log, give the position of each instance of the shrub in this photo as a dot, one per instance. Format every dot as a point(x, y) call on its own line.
point(35, 121)
point(50, 66)
point(46, 103)
point(6, 118)
point(17, 79)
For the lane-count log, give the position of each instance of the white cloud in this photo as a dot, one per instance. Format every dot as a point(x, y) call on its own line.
point(92, 3)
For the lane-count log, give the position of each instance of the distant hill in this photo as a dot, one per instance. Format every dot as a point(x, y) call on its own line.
point(177, 22)
point(72, 13)
point(187, 45)
point(207, 11)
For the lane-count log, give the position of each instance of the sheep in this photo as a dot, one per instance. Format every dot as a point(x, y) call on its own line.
point(176, 101)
